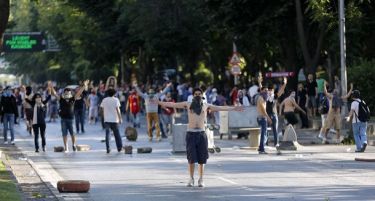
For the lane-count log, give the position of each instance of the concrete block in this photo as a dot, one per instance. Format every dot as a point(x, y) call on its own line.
point(58, 149)
point(83, 147)
point(290, 134)
point(144, 150)
point(254, 137)
point(128, 149)
point(73, 186)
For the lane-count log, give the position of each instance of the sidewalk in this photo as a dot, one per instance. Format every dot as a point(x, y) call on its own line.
point(28, 181)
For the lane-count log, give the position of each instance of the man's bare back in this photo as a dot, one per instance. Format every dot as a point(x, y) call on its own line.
point(289, 105)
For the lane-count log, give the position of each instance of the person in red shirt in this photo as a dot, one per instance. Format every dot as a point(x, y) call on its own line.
point(233, 95)
point(134, 106)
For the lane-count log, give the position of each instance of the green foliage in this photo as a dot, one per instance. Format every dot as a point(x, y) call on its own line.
point(160, 34)
point(362, 75)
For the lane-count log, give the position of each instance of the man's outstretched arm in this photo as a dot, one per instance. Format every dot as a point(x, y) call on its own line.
point(172, 104)
point(215, 108)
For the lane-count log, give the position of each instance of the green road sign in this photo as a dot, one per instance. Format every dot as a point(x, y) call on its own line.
point(24, 42)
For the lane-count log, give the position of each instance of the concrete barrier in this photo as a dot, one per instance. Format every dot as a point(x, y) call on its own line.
point(179, 138)
point(233, 121)
point(254, 137)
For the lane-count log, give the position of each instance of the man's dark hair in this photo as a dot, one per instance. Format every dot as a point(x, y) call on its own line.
point(36, 95)
point(356, 94)
point(67, 89)
point(197, 89)
point(111, 92)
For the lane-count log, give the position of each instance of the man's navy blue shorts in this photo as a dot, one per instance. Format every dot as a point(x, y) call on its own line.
point(196, 147)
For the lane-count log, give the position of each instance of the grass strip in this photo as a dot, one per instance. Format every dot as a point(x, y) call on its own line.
point(8, 188)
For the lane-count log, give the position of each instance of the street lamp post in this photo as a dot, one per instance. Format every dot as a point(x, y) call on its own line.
point(343, 51)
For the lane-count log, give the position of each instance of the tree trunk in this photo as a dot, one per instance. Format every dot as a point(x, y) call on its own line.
point(310, 61)
point(4, 17)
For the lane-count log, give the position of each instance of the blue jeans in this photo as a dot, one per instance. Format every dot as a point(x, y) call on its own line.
point(359, 133)
point(67, 125)
point(262, 121)
point(114, 127)
point(275, 123)
point(8, 124)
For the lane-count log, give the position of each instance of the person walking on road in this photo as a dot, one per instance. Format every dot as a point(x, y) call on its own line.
point(289, 105)
point(112, 118)
point(134, 106)
point(151, 103)
point(271, 109)
point(79, 112)
point(302, 98)
point(312, 92)
point(28, 110)
point(66, 113)
point(359, 122)
point(93, 107)
point(39, 110)
point(263, 118)
point(334, 112)
point(196, 139)
point(10, 112)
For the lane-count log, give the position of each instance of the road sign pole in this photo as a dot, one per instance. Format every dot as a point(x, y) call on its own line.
point(236, 79)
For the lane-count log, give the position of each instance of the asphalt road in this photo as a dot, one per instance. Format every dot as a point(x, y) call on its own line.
point(319, 172)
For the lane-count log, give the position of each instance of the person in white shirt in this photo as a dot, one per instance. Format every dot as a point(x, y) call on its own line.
point(253, 90)
point(359, 127)
point(112, 118)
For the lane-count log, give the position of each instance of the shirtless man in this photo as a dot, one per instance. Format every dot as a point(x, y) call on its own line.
point(196, 139)
point(290, 105)
point(262, 118)
point(334, 112)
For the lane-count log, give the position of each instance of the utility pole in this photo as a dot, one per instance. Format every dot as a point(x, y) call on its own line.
point(343, 50)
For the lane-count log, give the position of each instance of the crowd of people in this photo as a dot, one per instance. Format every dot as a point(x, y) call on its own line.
point(108, 104)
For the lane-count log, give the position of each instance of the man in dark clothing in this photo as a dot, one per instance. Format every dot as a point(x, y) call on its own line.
point(302, 102)
point(80, 111)
point(66, 113)
point(312, 93)
point(9, 112)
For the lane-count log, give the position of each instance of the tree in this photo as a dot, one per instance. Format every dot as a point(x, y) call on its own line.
point(4, 16)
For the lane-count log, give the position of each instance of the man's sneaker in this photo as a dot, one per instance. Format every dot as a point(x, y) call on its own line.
point(200, 183)
point(150, 139)
point(190, 182)
point(74, 148)
point(158, 139)
point(262, 152)
point(324, 141)
point(108, 151)
point(12, 143)
point(363, 147)
point(5, 142)
point(320, 136)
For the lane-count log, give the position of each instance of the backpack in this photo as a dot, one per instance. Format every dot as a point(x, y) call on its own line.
point(324, 105)
point(363, 112)
point(254, 99)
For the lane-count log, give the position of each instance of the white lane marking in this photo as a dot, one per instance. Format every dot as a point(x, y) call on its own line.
point(227, 180)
